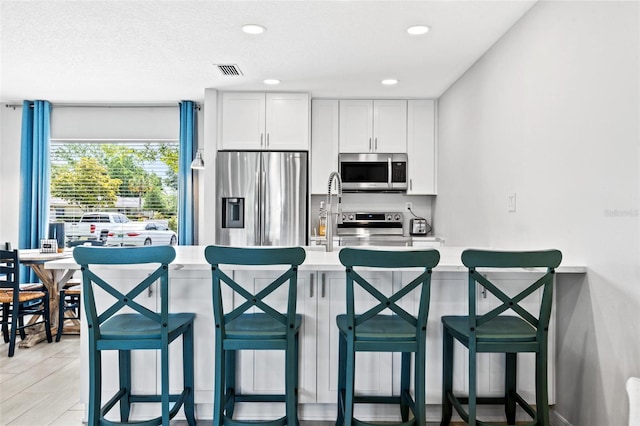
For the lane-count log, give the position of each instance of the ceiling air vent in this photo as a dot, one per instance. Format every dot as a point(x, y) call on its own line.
point(229, 69)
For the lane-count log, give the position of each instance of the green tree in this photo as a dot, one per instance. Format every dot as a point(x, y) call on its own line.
point(155, 201)
point(86, 183)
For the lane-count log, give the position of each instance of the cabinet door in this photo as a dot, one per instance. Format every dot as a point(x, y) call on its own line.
point(491, 366)
point(263, 371)
point(324, 142)
point(421, 147)
point(390, 126)
point(448, 292)
point(190, 291)
point(145, 378)
point(243, 120)
point(287, 121)
point(356, 126)
point(373, 369)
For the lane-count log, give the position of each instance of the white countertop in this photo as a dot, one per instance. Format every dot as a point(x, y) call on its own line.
point(192, 258)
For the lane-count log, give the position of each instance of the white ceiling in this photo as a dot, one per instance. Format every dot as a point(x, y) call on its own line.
point(164, 51)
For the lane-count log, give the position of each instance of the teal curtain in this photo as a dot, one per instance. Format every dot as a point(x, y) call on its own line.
point(185, 174)
point(34, 178)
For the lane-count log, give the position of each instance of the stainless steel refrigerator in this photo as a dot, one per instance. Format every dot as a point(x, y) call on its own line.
point(261, 198)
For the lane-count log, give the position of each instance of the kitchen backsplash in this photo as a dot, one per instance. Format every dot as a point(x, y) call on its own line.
point(376, 202)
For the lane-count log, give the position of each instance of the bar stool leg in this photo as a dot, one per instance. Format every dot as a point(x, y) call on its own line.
point(405, 383)
point(420, 385)
point(219, 385)
point(447, 377)
point(342, 354)
point(188, 375)
point(124, 361)
point(510, 387)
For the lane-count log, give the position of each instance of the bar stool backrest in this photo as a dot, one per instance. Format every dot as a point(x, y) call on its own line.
point(474, 259)
point(86, 256)
point(423, 259)
point(218, 255)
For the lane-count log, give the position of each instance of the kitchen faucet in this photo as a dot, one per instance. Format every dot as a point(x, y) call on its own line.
point(329, 232)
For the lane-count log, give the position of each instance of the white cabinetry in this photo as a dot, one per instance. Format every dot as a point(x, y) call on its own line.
point(264, 121)
point(324, 142)
point(263, 371)
point(491, 366)
point(448, 297)
point(421, 147)
point(373, 126)
point(373, 369)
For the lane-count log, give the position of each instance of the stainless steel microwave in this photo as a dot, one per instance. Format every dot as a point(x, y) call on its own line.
point(373, 172)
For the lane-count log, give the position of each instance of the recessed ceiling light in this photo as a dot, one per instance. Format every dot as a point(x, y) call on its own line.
point(253, 29)
point(271, 81)
point(418, 29)
point(389, 81)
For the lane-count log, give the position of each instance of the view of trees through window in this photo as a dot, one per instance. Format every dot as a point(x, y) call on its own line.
point(139, 180)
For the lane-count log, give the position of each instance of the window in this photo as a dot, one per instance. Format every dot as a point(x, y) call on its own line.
point(138, 181)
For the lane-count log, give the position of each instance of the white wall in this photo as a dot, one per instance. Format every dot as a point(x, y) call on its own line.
point(552, 114)
point(10, 132)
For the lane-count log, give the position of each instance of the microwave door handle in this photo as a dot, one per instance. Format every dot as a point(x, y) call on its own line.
point(390, 173)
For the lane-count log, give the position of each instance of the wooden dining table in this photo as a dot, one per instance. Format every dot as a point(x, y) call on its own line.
point(53, 280)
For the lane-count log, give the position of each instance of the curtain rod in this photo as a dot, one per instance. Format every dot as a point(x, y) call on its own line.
point(115, 105)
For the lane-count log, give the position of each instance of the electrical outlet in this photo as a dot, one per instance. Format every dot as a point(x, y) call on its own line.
point(408, 206)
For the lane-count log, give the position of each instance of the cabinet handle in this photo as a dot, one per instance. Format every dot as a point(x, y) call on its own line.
point(323, 285)
point(311, 286)
point(267, 140)
point(370, 144)
point(376, 145)
point(261, 139)
point(410, 184)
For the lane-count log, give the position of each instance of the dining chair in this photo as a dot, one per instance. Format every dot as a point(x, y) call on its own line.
point(238, 329)
point(493, 332)
point(394, 331)
point(19, 301)
point(126, 325)
point(68, 301)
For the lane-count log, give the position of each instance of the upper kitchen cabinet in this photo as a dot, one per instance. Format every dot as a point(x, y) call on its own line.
point(324, 142)
point(265, 121)
point(373, 126)
point(421, 147)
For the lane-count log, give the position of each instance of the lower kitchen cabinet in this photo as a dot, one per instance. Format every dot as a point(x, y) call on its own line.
point(373, 370)
point(449, 297)
point(263, 371)
point(321, 297)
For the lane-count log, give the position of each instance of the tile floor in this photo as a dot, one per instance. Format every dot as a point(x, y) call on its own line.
point(40, 386)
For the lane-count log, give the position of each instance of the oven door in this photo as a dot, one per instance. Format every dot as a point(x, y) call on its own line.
point(375, 240)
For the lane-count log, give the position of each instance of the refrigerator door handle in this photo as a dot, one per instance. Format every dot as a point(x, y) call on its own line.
point(262, 199)
point(258, 225)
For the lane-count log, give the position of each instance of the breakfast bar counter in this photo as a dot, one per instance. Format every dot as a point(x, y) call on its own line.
point(321, 297)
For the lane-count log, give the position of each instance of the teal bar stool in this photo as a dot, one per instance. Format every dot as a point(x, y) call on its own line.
point(496, 333)
point(371, 331)
point(266, 330)
point(143, 329)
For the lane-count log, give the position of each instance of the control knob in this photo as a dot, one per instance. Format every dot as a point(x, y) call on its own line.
point(397, 217)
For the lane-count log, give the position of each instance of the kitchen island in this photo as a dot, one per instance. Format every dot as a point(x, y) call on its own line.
point(321, 297)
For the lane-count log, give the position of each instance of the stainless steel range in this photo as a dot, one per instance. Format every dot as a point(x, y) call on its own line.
point(372, 229)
